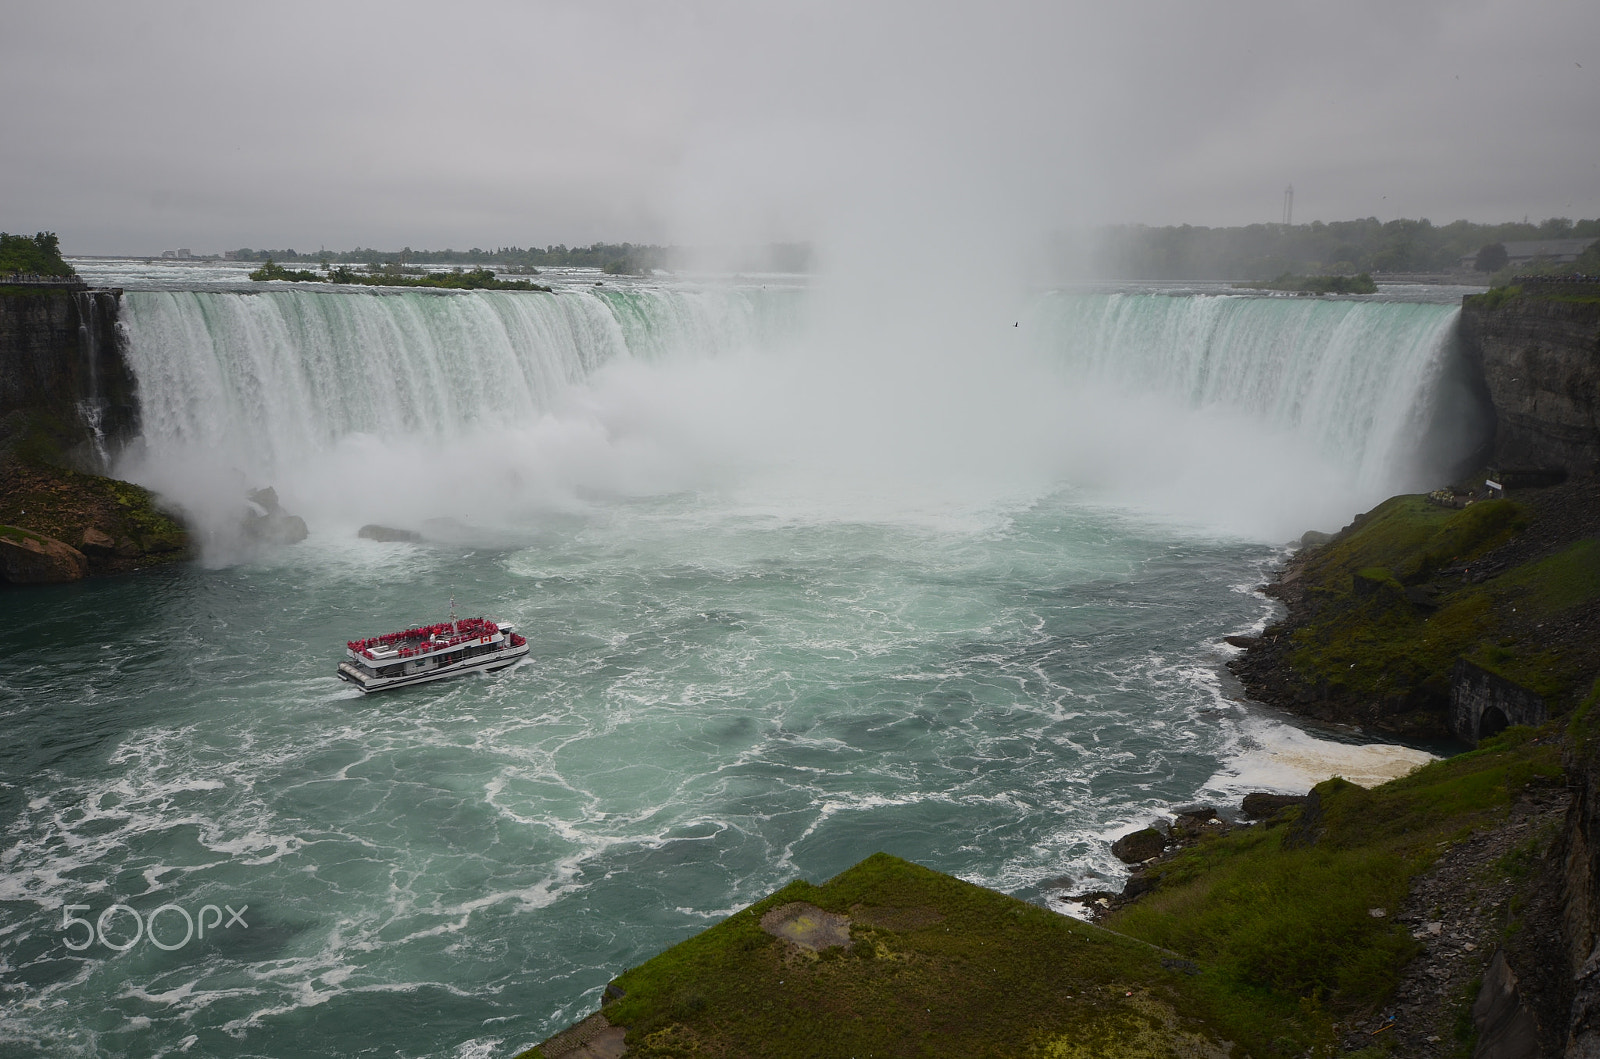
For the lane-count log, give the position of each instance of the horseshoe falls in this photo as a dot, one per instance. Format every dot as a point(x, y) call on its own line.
point(802, 582)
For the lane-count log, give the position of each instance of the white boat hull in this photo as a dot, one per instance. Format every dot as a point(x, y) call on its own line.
point(482, 664)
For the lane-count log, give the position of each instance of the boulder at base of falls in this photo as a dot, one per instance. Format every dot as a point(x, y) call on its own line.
point(29, 559)
point(267, 523)
point(388, 534)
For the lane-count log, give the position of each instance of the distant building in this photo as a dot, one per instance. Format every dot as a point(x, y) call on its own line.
point(1526, 251)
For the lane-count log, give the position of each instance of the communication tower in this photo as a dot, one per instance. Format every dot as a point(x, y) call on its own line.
point(1288, 205)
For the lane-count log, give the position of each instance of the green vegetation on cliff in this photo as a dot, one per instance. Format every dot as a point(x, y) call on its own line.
point(1380, 615)
point(37, 256)
point(1532, 289)
point(59, 503)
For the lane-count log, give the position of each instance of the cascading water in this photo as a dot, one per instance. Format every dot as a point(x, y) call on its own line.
point(296, 388)
point(92, 307)
point(1342, 397)
point(279, 377)
point(1355, 380)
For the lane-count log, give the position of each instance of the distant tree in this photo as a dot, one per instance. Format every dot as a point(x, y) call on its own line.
point(39, 256)
point(1491, 258)
point(272, 270)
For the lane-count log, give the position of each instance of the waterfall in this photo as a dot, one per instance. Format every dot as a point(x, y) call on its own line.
point(349, 400)
point(92, 403)
point(279, 377)
point(1371, 384)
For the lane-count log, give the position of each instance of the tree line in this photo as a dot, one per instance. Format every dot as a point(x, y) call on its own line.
point(616, 258)
point(1252, 252)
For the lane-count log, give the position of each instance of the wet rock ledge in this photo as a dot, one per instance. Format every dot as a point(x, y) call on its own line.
point(59, 525)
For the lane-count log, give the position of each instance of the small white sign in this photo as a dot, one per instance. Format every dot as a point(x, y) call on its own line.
point(1492, 484)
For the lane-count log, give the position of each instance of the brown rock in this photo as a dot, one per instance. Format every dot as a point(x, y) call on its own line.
point(1190, 823)
point(807, 926)
point(97, 543)
point(1138, 846)
point(126, 549)
point(29, 559)
point(1258, 805)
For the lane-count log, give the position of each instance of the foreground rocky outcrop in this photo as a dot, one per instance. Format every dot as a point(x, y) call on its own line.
point(266, 522)
point(1429, 917)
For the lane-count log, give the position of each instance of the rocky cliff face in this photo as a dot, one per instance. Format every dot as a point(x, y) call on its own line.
point(1539, 355)
point(67, 404)
point(64, 384)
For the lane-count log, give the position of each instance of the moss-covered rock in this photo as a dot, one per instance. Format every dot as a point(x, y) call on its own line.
point(111, 525)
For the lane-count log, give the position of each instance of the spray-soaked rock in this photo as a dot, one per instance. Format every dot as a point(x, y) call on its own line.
point(388, 534)
point(30, 559)
point(267, 523)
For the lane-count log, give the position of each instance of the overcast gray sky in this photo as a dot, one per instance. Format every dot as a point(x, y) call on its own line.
point(133, 128)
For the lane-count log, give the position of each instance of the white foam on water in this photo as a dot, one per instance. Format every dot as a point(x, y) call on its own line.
point(1281, 758)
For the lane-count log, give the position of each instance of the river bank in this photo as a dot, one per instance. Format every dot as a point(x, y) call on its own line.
point(1418, 609)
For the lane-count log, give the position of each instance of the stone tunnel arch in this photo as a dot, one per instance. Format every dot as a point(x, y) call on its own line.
point(1483, 703)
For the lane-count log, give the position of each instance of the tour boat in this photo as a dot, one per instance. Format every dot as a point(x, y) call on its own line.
point(431, 652)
